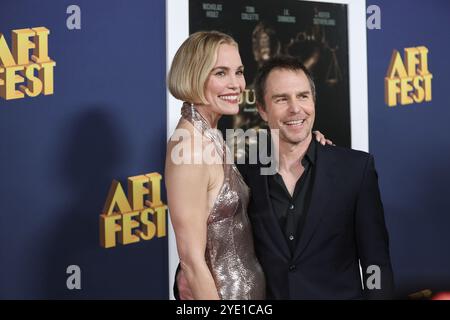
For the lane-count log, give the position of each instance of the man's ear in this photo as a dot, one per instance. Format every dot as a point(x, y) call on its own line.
point(262, 111)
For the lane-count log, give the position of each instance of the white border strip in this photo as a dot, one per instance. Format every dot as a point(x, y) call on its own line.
point(177, 30)
point(357, 45)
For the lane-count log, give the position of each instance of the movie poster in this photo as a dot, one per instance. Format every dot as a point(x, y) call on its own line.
point(316, 32)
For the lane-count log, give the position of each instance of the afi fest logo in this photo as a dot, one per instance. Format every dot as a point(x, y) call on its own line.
point(21, 74)
point(142, 210)
point(410, 81)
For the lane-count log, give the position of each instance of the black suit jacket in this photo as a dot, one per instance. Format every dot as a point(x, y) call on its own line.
point(345, 226)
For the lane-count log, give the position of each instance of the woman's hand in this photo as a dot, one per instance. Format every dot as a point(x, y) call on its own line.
point(321, 138)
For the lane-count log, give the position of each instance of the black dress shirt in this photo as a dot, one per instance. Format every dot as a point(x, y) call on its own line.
point(291, 211)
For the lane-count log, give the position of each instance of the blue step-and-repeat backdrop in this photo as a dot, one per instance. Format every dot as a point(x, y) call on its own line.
point(410, 140)
point(83, 131)
point(104, 120)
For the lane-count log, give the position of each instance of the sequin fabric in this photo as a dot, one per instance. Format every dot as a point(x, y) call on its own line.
point(229, 252)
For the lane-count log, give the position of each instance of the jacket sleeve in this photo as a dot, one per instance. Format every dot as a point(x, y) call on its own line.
point(372, 238)
point(176, 293)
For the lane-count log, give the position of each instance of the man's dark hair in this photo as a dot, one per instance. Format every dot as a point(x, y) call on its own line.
point(279, 62)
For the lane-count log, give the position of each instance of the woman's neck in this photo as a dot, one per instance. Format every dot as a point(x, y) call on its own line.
point(211, 117)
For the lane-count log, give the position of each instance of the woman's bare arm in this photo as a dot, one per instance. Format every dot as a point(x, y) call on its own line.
point(187, 191)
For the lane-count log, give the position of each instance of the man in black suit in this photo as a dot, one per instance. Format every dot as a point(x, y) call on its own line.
point(318, 220)
point(320, 217)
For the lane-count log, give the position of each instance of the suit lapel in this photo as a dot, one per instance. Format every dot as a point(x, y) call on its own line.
point(323, 189)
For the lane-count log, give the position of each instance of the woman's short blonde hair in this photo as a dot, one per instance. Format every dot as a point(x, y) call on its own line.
point(193, 63)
